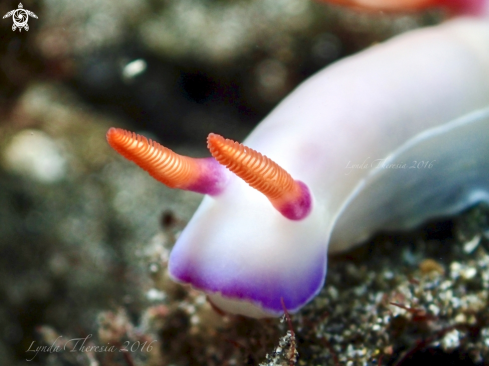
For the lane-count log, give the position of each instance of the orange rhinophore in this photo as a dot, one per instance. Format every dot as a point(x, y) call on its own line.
point(473, 7)
point(288, 196)
point(387, 5)
point(175, 171)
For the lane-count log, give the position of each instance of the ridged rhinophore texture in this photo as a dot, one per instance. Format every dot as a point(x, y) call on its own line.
point(263, 174)
point(161, 163)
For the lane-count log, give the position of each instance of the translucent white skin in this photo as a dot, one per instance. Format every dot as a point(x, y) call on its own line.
point(387, 101)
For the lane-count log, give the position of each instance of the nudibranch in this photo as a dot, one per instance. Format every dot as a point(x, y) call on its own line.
point(383, 139)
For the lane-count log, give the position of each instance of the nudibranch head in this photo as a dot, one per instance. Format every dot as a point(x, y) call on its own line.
point(248, 255)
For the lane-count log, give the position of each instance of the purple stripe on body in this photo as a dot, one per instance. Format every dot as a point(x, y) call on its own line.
point(295, 286)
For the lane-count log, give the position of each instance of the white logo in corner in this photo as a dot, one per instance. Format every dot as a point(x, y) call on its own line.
point(20, 17)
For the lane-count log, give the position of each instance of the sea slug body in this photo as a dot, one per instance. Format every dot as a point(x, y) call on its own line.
point(416, 108)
